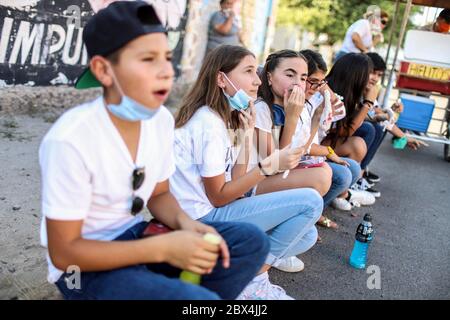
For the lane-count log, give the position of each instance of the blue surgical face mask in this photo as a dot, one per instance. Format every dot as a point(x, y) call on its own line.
point(240, 100)
point(129, 109)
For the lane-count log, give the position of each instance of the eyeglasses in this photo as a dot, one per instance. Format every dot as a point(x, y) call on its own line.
point(384, 22)
point(316, 85)
point(138, 178)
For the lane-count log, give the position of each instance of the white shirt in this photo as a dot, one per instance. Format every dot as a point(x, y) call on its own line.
point(303, 130)
point(306, 117)
point(87, 171)
point(361, 27)
point(263, 118)
point(265, 124)
point(202, 149)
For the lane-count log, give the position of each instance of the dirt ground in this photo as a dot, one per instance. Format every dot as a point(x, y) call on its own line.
point(22, 260)
point(26, 114)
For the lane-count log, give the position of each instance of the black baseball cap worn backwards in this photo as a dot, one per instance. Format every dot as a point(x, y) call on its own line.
point(112, 28)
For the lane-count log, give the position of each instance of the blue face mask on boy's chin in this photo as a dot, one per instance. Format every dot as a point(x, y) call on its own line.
point(131, 110)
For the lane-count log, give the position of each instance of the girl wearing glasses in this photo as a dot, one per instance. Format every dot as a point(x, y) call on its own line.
point(213, 137)
point(345, 170)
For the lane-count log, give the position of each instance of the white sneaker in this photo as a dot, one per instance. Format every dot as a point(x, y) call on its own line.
point(366, 184)
point(291, 264)
point(355, 204)
point(362, 197)
point(363, 185)
point(260, 288)
point(341, 204)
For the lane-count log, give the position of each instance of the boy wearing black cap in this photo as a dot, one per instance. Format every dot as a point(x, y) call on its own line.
point(103, 161)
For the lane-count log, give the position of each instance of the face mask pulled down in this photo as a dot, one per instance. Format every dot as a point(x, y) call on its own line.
point(129, 109)
point(240, 100)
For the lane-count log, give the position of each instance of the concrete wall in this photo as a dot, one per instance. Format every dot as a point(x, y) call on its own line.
point(41, 40)
point(258, 24)
point(41, 47)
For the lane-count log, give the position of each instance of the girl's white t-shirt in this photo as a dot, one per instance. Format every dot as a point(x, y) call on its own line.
point(202, 148)
point(87, 171)
point(264, 123)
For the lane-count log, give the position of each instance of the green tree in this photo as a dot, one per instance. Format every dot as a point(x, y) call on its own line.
point(333, 17)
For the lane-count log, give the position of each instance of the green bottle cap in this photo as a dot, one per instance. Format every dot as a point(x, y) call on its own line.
point(189, 277)
point(399, 143)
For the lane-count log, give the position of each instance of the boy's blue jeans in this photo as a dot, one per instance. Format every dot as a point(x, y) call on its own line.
point(248, 247)
point(343, 177)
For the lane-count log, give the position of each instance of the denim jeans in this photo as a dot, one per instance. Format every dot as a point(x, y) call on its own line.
point(343, 177)
point(248, 247)
point(373, 134)
point(288, 216)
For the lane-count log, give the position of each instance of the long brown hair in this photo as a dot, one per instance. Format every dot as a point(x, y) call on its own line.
point(205, 91)
point(272, 62)
point(348, 77)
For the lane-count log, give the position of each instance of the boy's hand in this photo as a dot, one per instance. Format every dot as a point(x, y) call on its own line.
point(201, 228)
point(187, 250)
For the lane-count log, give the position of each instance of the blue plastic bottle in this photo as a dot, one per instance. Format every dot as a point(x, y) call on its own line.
point(363, 237)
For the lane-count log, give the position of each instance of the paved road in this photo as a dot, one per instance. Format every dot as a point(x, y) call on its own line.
point(412, 240)
point(411, 245)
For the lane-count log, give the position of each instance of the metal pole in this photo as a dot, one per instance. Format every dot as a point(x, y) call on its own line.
point(431, 139)
point(400, 40)
point(391, 34)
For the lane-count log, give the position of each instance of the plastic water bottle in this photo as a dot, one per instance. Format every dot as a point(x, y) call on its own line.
point(190, 277)
point(363, 237)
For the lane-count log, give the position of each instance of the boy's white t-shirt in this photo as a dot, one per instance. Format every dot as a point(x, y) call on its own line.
point(87, 171)
point(202, 149)
point(362, 27)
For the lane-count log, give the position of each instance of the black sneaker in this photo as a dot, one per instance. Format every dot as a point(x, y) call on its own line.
point(371, 177)
point(374, 192)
